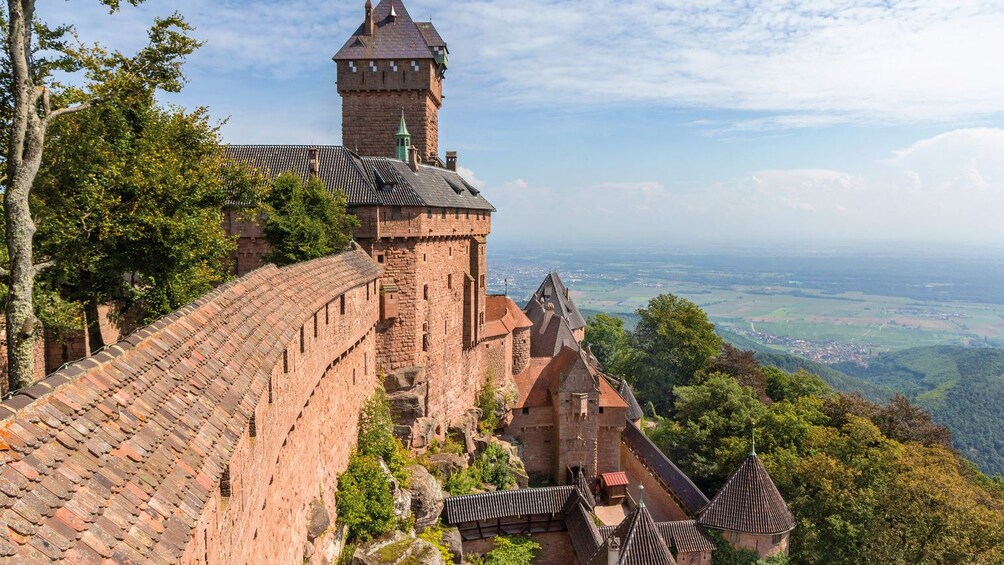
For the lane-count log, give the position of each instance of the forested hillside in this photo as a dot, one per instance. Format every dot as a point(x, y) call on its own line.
point(961, 388)
point(839, 380)
point(867, 482)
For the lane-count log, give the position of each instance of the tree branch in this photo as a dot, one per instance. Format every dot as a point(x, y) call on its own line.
point(42, 266)
point(71, 109)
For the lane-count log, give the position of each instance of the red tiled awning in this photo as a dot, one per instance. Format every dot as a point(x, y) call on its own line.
point(617, 479)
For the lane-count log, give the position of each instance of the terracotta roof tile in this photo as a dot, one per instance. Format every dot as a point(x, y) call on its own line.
point(749, 502)
point(108, 449)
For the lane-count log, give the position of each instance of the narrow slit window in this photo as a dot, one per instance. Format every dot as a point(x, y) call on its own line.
point(303, 341)
point(252, 426)
point(341, 306)
point(225, 483)
point(285, 361)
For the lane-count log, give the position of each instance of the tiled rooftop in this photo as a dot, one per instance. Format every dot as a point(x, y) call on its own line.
point(115, 456)
point(749, 502)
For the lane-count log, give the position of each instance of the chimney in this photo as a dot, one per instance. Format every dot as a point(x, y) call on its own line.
point(613, 550)
point(413, 158)
point(313, 162)
point(451, 160)
point(368, 24)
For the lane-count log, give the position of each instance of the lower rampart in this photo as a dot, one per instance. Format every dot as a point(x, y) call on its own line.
point(202, 438)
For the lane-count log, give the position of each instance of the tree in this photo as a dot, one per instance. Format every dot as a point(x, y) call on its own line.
point(304, 221)
point(743, 366)
point(609, 342)
point(36, 102)
point(710, 431)
point(791, 386)
point(674, 340)
point(365, 498)
point(129, 207)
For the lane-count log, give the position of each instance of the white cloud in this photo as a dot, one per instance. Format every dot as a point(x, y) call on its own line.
point(949, 188)
point(797, 63)
point(470, 177)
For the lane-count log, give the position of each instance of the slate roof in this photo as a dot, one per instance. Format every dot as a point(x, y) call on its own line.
point(582, 532)
point(634, 411)
point(749, 502)
point(691, 497)
point(684, 535)
point(550, 334)
point(399, 39)
point(366, 181)
point(640, 542)
point(116, 456)
point(553, 291)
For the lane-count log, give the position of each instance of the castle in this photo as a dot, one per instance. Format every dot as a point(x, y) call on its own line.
point(215, 434)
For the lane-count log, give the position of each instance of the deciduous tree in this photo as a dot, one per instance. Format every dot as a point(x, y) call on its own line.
point(36, 102)
point(304, 221)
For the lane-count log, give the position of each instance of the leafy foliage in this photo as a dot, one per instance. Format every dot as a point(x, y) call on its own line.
point(434, 535)
point(509, 550)
point(304, 221)
point(365, 498)
point(741, 365)
point(962, 388)
point(492, 467)
point(609, 341)
point(376, 435)
point(791, 386)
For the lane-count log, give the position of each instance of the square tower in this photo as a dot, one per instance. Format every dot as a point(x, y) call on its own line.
point(389, 65)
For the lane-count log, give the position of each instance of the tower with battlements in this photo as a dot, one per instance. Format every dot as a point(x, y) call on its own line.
point(391, 63)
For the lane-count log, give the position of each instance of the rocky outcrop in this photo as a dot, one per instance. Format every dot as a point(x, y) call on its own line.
point(397, 548)
point(319, 520)
point(426, 497)
point(407, 392)
point(455, 543)
point(446, 464)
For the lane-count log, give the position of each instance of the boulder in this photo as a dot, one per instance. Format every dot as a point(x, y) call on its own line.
point(424, 432)
point(406, 406)
point(426, 497)
point(319, 520)
point(402, 496)
point(403, 379)
point(446, 464)
point(394, 548)
point(455, 543)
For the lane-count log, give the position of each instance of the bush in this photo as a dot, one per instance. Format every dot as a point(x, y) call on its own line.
point(365, 498)
point(434, 535)
point(376, 435)
point(490, 405)
point(509, 550)
point(492, 467)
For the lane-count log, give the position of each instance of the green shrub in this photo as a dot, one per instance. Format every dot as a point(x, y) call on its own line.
point(490, 405)
point(462, 482)
point(376, 435)
point(493, 467)
point(434, 535)
point(365, 499)
point(512, 550)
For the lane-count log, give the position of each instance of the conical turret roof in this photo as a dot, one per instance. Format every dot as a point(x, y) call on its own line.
point(640, 542)
point(749, 502)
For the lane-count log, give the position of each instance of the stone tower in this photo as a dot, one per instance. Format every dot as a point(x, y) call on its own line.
point(391, 63)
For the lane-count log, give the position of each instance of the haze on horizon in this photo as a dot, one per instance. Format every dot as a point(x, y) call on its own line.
point(661, 122)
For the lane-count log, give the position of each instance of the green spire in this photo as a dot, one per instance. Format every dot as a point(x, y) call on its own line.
point(403, 139)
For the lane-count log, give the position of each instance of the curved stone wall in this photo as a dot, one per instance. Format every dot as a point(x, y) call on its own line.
point(201, 438)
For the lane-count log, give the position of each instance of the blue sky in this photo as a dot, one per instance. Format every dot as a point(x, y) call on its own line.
point(653, 121)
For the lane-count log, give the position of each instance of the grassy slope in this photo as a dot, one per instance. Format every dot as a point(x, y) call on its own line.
point(962, 388)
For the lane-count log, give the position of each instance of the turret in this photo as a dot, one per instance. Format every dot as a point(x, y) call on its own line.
point(403, 140)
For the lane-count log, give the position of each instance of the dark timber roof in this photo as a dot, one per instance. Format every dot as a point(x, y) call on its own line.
point(684, 535)
point(582, 532)
point(749, 502)
point(691, 497)
point(550, 333)
point(401, 38)
point(553, 291)
point(506, 503)
point(366, 181)
point(116, 456)
point(634, 411)
point(640, 542)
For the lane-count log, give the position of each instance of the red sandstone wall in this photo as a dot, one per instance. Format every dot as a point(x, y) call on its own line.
point(251, 244)
point(520, 350)
point(763, 545)
point(370, 121)
point(304, 437)
point(660, 503)
point(535, 430)
point(496, 357)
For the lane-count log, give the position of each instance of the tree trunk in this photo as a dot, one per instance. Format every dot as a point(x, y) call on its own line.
point(24, 156)
point(92, 318)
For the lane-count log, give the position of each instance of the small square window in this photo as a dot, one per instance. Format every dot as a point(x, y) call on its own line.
point(526, 409)
point(380, 258)
point(601, 409)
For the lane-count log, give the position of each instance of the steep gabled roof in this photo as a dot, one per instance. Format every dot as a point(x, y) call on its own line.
point(634, 411)
point(749, 502)
point(691, 499)
point(553, 291)
point(400, 38)
point(640, 542)
point(366, 181)
point(686, 536)
point(550, 333)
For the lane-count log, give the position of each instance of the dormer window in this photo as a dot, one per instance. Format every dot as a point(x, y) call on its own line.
point(384, 184)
